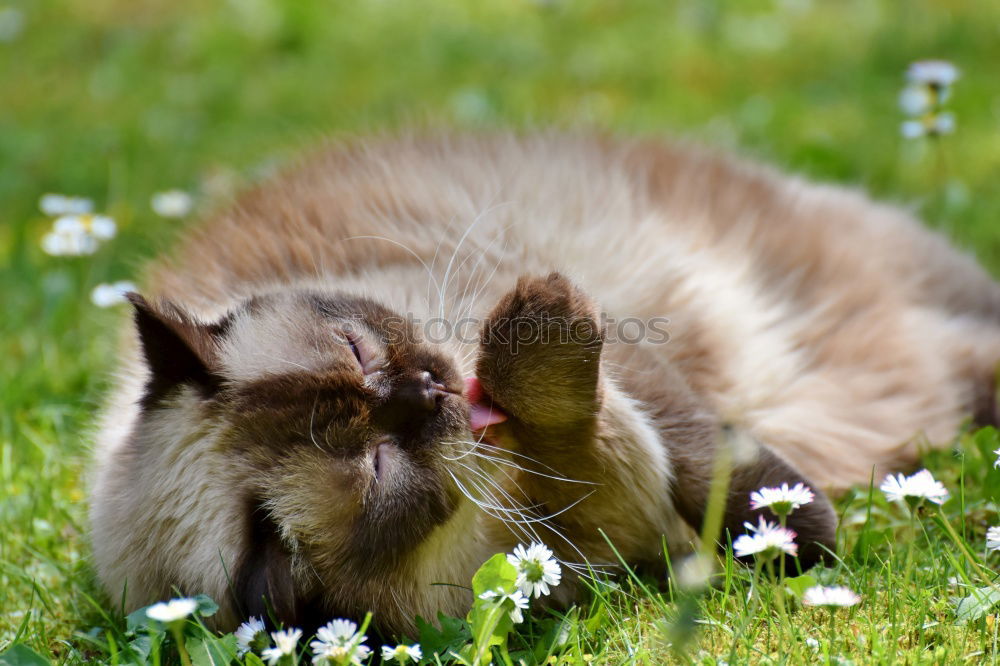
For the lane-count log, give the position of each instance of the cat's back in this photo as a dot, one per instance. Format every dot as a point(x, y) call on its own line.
point(803, 311)
point(546, 198)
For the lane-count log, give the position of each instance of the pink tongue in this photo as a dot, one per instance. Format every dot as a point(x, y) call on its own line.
point(483, 413)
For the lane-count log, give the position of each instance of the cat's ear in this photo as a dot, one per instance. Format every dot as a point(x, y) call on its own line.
point(177, 348)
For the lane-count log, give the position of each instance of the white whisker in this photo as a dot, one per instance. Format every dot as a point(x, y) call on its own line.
point(510, 463)
point(312, 418)
point(526, 521)
point(437, 250)
point(475, 269)
point(486, 445)
point(283, 360)
point(430, 273)
point(458, 246)
point(514, 529)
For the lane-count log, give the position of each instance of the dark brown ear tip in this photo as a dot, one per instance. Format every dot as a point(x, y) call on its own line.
point(137, 300)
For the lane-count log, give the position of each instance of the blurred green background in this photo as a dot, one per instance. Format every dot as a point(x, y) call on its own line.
point(115, 100)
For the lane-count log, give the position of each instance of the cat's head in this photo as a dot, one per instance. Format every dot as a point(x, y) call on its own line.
point(338, 428)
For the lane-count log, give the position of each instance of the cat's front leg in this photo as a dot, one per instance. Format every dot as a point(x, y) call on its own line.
point(540, 358)
point(588, 459)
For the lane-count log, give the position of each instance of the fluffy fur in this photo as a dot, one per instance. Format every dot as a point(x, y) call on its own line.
point(826, 333)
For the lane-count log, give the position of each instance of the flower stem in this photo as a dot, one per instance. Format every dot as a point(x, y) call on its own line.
point(783, 519)
point(754, 594)
point(175, 629)
point(833, 632)
point(908, 567)
point(961, 544)
point(483, 635)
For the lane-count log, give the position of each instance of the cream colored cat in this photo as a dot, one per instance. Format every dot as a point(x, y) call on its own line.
point(303, 419)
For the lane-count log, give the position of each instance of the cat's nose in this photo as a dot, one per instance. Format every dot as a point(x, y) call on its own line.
point(414, 401)
point(423, 392)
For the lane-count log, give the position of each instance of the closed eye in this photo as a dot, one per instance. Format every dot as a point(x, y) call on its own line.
point(354, 348)
point(362, 352)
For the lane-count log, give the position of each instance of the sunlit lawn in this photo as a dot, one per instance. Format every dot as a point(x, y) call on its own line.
point(116, 100)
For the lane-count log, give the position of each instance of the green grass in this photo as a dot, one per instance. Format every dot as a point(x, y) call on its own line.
point(115, 100)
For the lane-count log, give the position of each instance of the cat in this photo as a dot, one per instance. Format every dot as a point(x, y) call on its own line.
point(411, 352)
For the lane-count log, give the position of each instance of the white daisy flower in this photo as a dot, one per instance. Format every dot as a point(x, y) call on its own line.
point(69, 243)
point(105, 295)
point(767, 541)
point(694, 572)
point(517, 598)
point(171, 611)
point(916, 100)
point(782, 501)
point(943, 123)
point(251, 636)
point(914, 489)
point(937, 73)
point(339, 642)
point(11, 23)
point(934, 124)
point(536, 568)
point(60, 204)
point(993, 538)
point(830, 596)
point(912, 129)
point(172, 203)
point(70, 224)
point(402, 653)
point(284, 645)
point(100, 227)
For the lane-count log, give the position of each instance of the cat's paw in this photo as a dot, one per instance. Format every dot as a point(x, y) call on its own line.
point(540, 353)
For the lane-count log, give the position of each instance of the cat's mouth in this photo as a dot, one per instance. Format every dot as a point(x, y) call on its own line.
point(483, 413)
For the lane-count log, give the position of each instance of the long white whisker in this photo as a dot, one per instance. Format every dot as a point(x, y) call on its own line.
point(527, 511)
point(437, 250)
point(518, 529)
point(283, 360)
point(447, 272)
point(522, 520)
point(480, 442)
point(480, 286)
point(491, 447)
point(475, 269)
point(312, 418)
point(451, 260)
point(430, 273)
point(525, 514)
point(509, 463)
point(520, 532)
point(517, 508)
point(543, 520)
